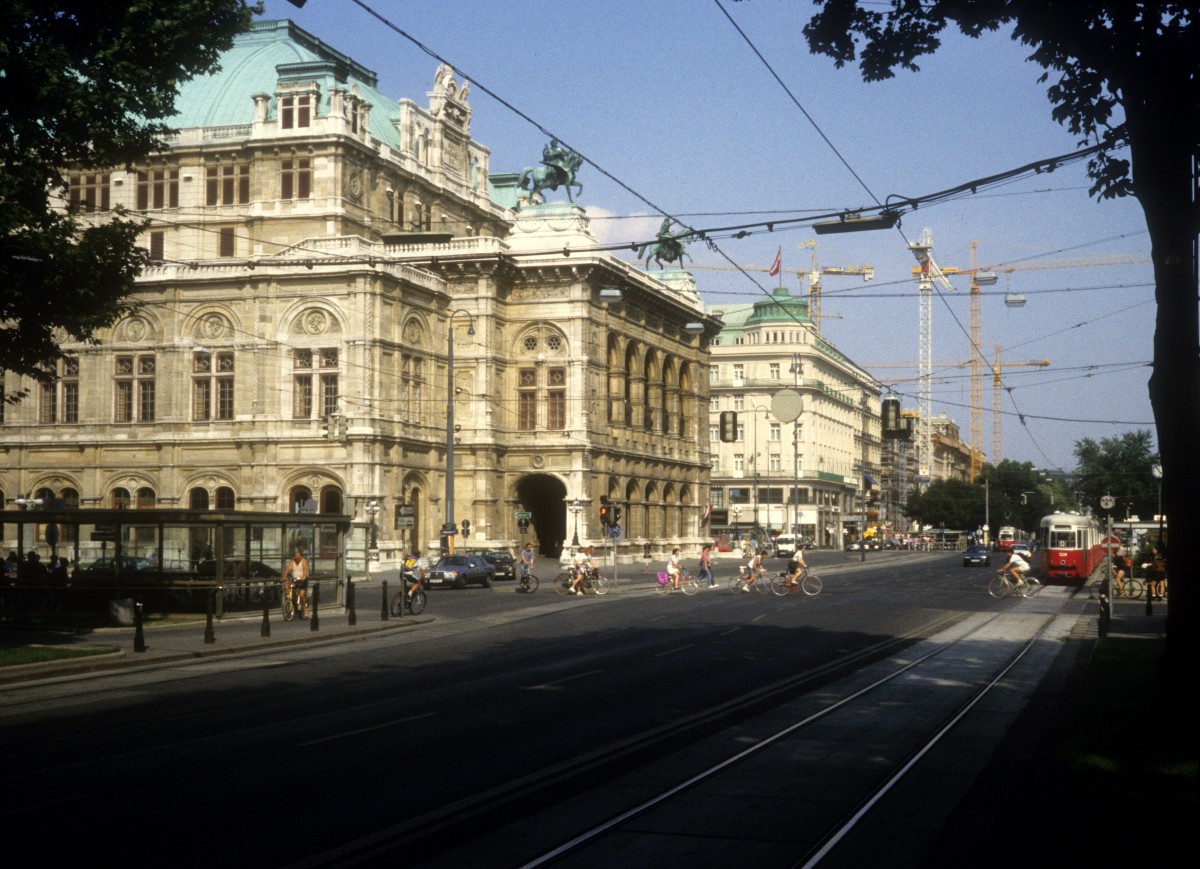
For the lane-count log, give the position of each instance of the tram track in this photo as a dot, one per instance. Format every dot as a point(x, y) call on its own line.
point(763, 732)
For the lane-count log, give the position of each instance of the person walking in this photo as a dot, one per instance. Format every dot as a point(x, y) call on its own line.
point(705, 572)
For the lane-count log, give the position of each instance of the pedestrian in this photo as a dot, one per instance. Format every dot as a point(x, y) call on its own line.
point(705, 571)
point(1156, 575)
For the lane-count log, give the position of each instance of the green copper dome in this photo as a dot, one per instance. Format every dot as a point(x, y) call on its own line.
point(782, 307)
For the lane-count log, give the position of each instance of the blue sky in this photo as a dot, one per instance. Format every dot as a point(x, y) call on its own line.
point(668, 97)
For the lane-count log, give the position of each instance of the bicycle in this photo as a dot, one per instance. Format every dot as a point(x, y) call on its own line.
point(809, 583)
point(1002, 586)
point(687, 584)
point(529, 582)
point(414, 599)
point(592, 583)
point(291, 601)
point(761, 584)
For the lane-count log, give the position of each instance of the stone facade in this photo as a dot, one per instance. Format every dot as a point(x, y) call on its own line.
point(322, 255)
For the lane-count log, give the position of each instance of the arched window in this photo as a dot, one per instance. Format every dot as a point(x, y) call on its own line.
point(298, 498)
point(198, 499)
point(121, 499)
point(146, 499)
point(331, 500)
point(226, 500)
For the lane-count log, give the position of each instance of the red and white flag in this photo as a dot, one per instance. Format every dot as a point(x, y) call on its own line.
point(775, 265)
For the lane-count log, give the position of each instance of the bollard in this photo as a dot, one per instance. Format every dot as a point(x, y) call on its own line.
point(266, 622)
point(209, 636)
point(315, 620)
point(139, 638)
point(383, 610)
point(351, 617)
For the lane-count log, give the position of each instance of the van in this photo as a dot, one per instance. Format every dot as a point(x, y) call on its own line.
point(785, 545)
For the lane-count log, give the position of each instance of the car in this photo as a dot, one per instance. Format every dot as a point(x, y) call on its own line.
point(459, 570)
point(236, 568)
point(853, 546)
point(1021, 549)
point(502, 563)
point(976, 555)
point(105, 568)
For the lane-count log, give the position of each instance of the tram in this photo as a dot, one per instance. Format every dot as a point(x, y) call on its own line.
point(1070, 547)
point(1006, 538)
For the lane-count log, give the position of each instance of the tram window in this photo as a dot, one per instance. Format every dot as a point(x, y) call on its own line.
point(1062, 539)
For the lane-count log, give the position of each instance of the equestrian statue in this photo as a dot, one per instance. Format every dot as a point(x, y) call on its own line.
point(669, 248)
point(558, 168)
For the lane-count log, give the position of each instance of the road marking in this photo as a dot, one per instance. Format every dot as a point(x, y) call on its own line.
point(673, 651)
point(555, 684)
point(387, 724)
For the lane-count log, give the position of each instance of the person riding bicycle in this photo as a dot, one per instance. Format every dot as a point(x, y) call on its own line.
point(413, 572)
point(583, 563)
point(296, 576)
point(1120, 567)
point(527, 558)
point(675, 568)
point(1017, 567)
point(754, 570)
point(797, 565)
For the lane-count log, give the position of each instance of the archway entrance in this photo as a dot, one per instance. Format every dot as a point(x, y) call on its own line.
point(543, 496)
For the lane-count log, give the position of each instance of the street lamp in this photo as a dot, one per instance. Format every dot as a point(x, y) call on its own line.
point(737, 512)
point(576, 507)
point(450, 527)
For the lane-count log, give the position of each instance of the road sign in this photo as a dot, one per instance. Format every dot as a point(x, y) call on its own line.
point(1112, 543)
point(614, 530)
point(1107, 502)
point(523, 515)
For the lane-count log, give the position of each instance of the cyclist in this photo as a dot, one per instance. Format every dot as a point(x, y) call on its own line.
point(296, 576)
point(583, 563)
point(413, 572)
point(754, 570)
point(797, 565)
point(1120, 566)
point(675, 568)
point(1018, 567)
point(527, 559)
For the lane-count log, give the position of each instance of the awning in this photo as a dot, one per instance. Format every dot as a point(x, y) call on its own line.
point(871, 481)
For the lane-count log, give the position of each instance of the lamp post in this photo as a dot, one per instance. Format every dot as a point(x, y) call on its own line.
point(737, 512)
point(754, 456)
point(372, 511)
point(449, 528)
point(862, 522)
point(576, 507)
point(797, 372)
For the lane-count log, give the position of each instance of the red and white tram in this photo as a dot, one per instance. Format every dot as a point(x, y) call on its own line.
point(1070, 547)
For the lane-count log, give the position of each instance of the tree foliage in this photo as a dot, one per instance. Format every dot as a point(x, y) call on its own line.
point(89, 85)
point(1122, 467)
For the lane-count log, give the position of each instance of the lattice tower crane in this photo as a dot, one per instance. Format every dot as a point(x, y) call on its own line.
point(997, 418)
point(928, 273)
point(813, 275)
point(987, 276)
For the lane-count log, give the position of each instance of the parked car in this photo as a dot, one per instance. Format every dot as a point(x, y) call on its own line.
point(853, 546)
point(105, 568)
point(976, 555)
point(502, 563)
point(459, 570)
point(236, 568)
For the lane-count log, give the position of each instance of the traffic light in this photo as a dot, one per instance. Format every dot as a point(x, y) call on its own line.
point(329, 428)
point(729, 426)
point(604, 520)
point(616, 515)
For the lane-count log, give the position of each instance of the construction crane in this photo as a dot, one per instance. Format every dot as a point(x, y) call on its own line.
point(928, 273)
point(813, 275)
point(988, 276)
point(997, 418)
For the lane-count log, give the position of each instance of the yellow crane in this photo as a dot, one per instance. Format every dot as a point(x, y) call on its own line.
point(983, 276)
point(813, 275)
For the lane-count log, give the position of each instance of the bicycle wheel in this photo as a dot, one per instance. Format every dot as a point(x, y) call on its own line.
point(289, 608)
point(1000, 587)
point(664, 588)
point(1134, 588)
point(780, 585)
point(689, 585)
point(599, 584)
point(530, 584)
point(811, 584)
point(735, 583)
point(416, 602)
point(397, 605)
point(562, 582)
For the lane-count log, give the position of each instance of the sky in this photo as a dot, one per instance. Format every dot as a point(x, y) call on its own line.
point(672, 100)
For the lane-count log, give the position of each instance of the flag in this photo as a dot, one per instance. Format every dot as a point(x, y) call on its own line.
point(775, 265)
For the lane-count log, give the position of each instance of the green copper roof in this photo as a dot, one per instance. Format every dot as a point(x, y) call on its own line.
point(272, 50)
point(782, 307)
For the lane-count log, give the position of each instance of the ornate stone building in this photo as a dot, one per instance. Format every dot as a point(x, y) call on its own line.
point(813, 470)
point(340, 300)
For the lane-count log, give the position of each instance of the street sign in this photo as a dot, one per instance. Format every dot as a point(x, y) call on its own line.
point(1107, 502)
point(523, 515)
point(614, 530)
point(1112, 543)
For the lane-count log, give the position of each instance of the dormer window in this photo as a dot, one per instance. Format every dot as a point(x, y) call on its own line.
point(295, 111)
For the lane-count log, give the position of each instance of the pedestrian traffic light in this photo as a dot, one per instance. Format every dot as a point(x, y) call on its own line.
point(729, 426)
point(616, 515)
point(604, 520)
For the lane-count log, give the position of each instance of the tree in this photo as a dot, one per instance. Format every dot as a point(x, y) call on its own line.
point(88, 85)
point(1118, 466)
point(947, 504)
point(1126, 78)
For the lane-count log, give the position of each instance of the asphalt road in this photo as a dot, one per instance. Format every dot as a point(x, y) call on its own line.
point(273, 757)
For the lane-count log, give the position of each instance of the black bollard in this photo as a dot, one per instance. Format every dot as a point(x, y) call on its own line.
point(139, 638)
point(383, 609)
point(209, 636)
point(351, 617)
point(315, 621)
point(266, 622)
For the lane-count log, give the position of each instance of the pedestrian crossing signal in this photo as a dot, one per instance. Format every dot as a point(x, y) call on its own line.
point(729, 426)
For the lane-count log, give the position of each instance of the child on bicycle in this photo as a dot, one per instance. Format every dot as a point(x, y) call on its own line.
point(753, 570)
point(675, 568)
point(527, 559)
